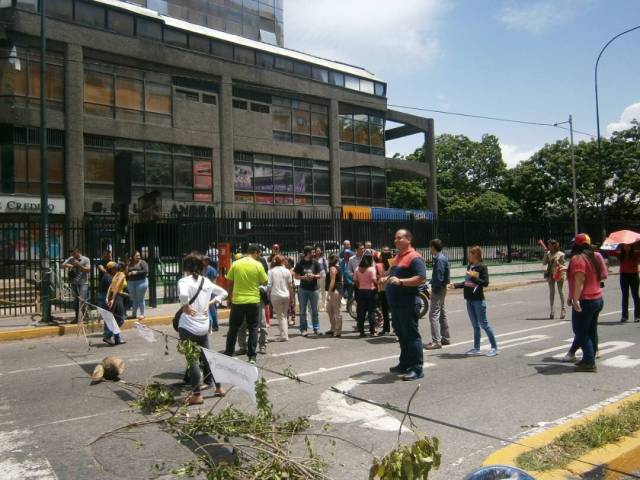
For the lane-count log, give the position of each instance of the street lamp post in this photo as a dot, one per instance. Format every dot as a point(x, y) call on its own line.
point(573, 174)
point(45, 286)
point(600, 166)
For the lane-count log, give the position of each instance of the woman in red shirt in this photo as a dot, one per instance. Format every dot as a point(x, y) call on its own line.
point(586, 271)
point(629, 280)
point(365, 279)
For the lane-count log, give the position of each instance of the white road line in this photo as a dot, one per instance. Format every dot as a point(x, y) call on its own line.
point(516, 342)
point(132, 358)
point(533, 329)
point(549, 350)
point(75, 419)
point(295, 352)
point(507, 304)
point(621, 361)
point(612, 347)
point(610, 313)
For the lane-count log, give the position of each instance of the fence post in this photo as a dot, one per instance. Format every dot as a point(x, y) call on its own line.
point(464, 240)
point(153, 279)
point(509, 237)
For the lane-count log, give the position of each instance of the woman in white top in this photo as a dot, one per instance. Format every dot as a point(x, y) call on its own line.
point(280, 294)
point(194, 321)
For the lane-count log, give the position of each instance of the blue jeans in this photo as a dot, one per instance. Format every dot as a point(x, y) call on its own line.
point(308, 298)
point(585, 329)
point(194, 372)
point(405, 318)
point(477, 310)
point(137, 290)
point(347, 291)
point(213, 317)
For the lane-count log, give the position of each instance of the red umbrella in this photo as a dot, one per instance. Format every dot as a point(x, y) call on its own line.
point(621, 237)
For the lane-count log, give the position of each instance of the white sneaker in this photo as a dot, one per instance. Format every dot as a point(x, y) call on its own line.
point(492, 353)
point(282, 339)
point(569, 358)
point(473, 351)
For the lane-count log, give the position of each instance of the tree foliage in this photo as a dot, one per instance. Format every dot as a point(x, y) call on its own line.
point(410, 194)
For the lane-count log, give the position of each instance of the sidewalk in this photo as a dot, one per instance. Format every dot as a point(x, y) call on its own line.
point(502, 277)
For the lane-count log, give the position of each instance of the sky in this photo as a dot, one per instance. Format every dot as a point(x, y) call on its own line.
point(527, 60)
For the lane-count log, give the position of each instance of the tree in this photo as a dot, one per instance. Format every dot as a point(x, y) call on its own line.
point(409, 194)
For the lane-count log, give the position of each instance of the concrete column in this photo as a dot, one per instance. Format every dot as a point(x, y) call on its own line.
point(223, 180)
point(430, 158)
point(73, 131)
point(334, 155)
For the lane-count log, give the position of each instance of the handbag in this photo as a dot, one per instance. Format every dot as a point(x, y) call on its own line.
point(176, 317)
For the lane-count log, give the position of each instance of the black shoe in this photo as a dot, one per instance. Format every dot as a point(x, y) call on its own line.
point(362, 335)
point(412, 375)
point(444, 341)
point(623, 320)
point(398, 369)
point(120, 342)
point(636, 320)
point(109, 342)
point(586, 367)
point(329, 332)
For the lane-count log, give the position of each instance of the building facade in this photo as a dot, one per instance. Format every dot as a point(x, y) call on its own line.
point(207, 117)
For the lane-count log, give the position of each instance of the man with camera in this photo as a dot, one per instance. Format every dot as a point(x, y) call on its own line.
point(78, 267)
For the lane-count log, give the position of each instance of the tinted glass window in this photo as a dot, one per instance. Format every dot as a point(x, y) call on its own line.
point(158, 169)
point(220, 49)
point(60, 9)
point(302, 69)
point(366, 86)
point(98, 166)
point(89, 14)
point(284, 64)
point(158, 98)
point(336, 78)
point(244, 55)
point(175, 37)
point(120, 22)
point(352, 83)
point(264, 60)
point(199, 43)
point(149, 29)
point(380, 89)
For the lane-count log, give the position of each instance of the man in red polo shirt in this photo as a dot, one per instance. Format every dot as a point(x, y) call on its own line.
point(408, 271)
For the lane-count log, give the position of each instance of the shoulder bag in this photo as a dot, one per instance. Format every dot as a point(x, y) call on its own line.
point(176, 317)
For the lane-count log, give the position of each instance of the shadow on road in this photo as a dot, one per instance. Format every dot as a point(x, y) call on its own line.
point(553, 369)
point(452, 356)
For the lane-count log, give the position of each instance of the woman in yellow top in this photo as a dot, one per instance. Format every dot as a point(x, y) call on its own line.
point(115, 301)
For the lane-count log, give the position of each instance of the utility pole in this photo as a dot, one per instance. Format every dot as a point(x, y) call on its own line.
point(45, 286)
point(573, 178)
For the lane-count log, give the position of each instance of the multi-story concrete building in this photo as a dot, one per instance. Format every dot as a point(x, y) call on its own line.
point(210, 113)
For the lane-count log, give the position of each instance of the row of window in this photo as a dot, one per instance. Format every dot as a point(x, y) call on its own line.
point(365, 186)
point(272, 179)
point(127, 94)
point(362, 133)
point(20, 75)
point(178, 172)
point(20, 161)
point(123, 23)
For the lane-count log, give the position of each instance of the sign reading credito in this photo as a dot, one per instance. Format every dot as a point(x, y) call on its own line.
point(24, 204)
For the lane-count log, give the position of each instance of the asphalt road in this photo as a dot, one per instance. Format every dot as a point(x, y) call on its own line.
point(49, 413)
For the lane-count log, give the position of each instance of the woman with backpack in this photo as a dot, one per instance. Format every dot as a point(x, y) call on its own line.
point(195, 291)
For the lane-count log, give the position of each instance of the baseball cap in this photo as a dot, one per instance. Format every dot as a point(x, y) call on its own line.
point(111, 264)
point(582, 239)
point(347, 252)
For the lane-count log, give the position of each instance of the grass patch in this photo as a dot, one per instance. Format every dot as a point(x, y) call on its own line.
point(596, 433)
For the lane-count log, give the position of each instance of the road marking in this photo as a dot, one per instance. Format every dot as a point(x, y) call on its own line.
point(516, 342)
point(508, 304)
point(295, 352)
point(549, 350)
point(334, 408)
point(610, 313)
point(508, 334)
point(612, 347)
point(621, 361)
point(75, 419)
point(17, 459)
point(132, 358)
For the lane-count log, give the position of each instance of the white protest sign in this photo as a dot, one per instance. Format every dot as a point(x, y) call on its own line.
point(227, 369)
point(109, 320)
point(145, 332)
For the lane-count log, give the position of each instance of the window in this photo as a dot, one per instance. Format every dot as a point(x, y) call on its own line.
point(362, 133)
point(258, 107)
point(265, 60)
point(20, 76)
point(209, 99)
point(13, 74)
point(201, 44)
point(281, 117)
point(321, 74)
point(187, 95)
point(120, 22)
point(90, 14)
point(284, 64)
point(222, 50)
point(62, 9)
point(302, 69)
point(363, 186)
point(31, 5)
point(270, 179)
point(336, 78)
point(98, 92)
point(175, 37)
point(319, 125)
point(380, 89)
point(98, 166)
point(240, 104)
point(244, 55)
point(158, 98)
point(149, 29)
point(302, 119)
point(352, 83)
point(366, 86)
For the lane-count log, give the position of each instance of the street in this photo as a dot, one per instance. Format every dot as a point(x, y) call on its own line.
point(49, 413)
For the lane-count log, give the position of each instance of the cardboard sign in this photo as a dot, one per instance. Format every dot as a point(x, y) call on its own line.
point(109, 320)
point(236, 372)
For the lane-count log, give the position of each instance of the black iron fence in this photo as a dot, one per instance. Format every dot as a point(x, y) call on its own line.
point(163, 243)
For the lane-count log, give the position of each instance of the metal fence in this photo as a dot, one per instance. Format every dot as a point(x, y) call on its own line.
point(165, 241)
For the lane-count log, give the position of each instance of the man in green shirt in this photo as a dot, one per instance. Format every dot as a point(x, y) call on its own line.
point(244, 279)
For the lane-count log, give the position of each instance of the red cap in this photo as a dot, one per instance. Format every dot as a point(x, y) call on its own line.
point(582, 239)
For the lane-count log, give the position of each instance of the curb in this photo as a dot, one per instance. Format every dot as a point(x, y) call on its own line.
point(94, 327)
point(622, 456)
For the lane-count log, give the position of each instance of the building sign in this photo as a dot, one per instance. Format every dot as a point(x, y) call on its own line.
point(24, 204)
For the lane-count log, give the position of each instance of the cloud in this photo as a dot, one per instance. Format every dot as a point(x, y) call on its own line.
point(512, 155)
point(632, 112)
point(538, 16)
point(373, 34)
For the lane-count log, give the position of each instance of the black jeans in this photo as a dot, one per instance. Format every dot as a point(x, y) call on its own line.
point(366, 306)
point(248, 313)
point(194, 372)
point(405, 319)
point(630, 281)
